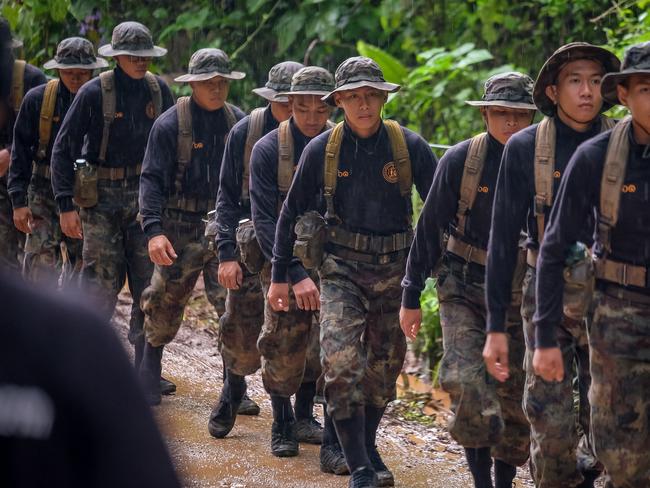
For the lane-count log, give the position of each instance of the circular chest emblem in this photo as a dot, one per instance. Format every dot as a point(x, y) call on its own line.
point(150, 111)
point(390, 172)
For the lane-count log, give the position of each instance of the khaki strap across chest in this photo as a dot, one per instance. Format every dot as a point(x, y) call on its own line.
point(254, 134)
point(46, 117)
point(109, 103)
point(17, 85)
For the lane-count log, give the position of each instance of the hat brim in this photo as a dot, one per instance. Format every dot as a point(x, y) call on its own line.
point(233, 75)
point(501, 103)
point(269, 94)
point(379, 85)
point(553, 65)
point(155, 52)
point(318, 93)
point(16, 43)
point(611, 80)
point(99, 64)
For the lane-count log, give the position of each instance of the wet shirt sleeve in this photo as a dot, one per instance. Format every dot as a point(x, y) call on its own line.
point(158, 169)
point(423, 162)
point(24, 147)
point(513, 195)
point(437, 213)
point(230, 191)
point(574, 204)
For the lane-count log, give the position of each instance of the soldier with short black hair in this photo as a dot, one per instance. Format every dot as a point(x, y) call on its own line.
point(488, 420)
point(29, 185)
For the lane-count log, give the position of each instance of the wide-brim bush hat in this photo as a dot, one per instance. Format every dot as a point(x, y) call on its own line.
point(279, 80)
point(311, 80)
point(133, 39)
point(635, 62)
point(75, 53)
point(509, 90)
point(206, 64)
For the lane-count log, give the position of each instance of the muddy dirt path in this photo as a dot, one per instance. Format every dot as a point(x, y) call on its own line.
point(419, 456)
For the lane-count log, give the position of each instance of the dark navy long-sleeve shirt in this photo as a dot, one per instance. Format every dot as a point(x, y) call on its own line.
point(26, 139)
point(266, 198)
point(439, 215)
point(230, 207)
point(159, 167)
point(578, 196)
point(367, 198)
point(32, 78)
point(80, 134)
point(514, 210)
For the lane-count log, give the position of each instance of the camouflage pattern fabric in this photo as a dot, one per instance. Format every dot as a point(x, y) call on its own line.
point(214, 292)
point(362, 344)
point(560, 449)
point(44, 257)
point(164, 300)
point(289, 355)
point(115, 249)
point(241, 324)
point(486, 413)
point(620, 390)
point(12, 240)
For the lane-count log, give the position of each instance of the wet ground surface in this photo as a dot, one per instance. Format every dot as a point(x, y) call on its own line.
point(419, 455)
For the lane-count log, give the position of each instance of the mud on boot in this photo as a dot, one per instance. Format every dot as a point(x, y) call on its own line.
point(248, 406)
point(283, 439)
point(309, 431)
point(167, 387)
point(224, 414)
point(384, 475)
point(363, 477)
point(332, 460)
point(150, 368)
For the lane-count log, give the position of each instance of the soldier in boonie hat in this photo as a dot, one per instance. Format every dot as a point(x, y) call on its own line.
point(510, 90)
point(207, 63)
point(310, 80)
point(357, 72)
point(279, 81)
point(75, 53)
point(635, 62)
point(133, 39)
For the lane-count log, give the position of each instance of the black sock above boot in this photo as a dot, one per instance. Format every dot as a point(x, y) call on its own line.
point(480, 465)
point(504, 474)
point(304, 404)
point(352, 436)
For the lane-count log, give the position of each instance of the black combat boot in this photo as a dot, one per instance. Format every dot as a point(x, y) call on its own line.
point(246, 406)
point(138, 350)
point(308, 430)
point(283, 432)
point(373, 418)
point(504, 474)
point(150, 368)
point(480, 465)
point(590, 476)
point(351, 432)
point(167, 387)
point(223, 415)
point(332, 459)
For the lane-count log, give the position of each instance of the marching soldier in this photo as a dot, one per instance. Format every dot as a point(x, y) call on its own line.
point(241, 324)
point(567, 91)
point(488, 420)
point(29, 184)
point(359, 177)
point(178, 187)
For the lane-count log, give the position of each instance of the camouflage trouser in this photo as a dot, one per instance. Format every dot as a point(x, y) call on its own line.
point(241, 324)
point(164, 300)
point(486, 413)
point(619, 338)
point(115, 249)
point(289, 345)
point(362, 344)
point(214, 292)
point(46, 246)
point(560, 444)
point(12, 240)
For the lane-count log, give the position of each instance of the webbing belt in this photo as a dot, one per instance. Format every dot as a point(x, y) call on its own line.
point(621, 273)
point(466, 251)
point(42, 170)
point(370, 244)
point(198, 205)
point(120, 173)
point(345, 253)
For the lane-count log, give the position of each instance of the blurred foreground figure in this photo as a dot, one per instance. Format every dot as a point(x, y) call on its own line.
point(57, 428)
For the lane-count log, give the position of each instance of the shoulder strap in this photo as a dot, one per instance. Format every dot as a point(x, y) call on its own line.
point(606, 123)
point(612, 181)
point(107, 81)
point(329, 124)
point(544, 167)
point(47, 114)
point(254, 134)
point(472, 171)
point(231, 119)
point(331, 167)
point(17, 84)
point(285, 157)
point(184, 138)
point(401, 156)
point(156, 94)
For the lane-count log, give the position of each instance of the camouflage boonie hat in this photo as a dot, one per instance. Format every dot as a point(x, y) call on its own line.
point(279, 81)
point(635, 62)
point(573, 51)
point(207, 63)
point(75, 53)
point(510, 90)
point(311, 80)
point(357, 72)
point(133, 39)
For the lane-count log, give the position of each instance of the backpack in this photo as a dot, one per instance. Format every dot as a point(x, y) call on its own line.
point(472, 172)
point(255, 129)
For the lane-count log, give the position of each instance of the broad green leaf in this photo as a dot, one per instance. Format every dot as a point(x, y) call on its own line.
point(394, 70)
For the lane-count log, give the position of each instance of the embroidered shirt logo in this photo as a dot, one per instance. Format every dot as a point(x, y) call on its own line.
point(119, 115)
point(631, 188)
point(197, 145)
point(556, 174)
point(343, 174)
point(390, 172)
point(483, 189)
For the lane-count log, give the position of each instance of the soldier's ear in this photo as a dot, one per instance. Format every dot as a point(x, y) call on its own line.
point(337, 100)
point(622, 92)
point(551, 92)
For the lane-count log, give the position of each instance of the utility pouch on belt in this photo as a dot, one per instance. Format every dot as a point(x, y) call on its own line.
point(85, 184)
point(311, 236)
point(210, 233)
point(249, 249)
point(579, 282)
